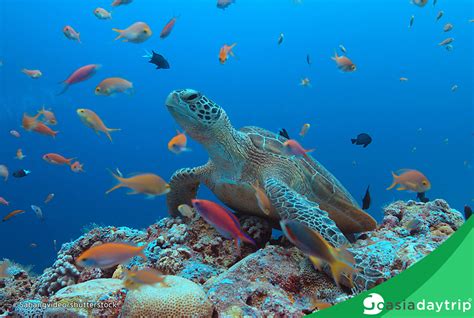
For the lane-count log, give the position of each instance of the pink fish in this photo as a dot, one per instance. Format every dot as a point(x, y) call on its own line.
point(3, 201)
point(80, 75)
point(168, 28)
point(293, 148)
point(15, 133)
point(225, 222)
point(71, 34)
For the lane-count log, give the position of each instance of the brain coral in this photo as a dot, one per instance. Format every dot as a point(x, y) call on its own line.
point(183, 298)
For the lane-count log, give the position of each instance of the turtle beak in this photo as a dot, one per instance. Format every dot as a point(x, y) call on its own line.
point(172, 101)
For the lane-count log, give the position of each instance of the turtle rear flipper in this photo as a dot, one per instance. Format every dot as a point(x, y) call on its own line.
point(290, 205)
point(184, 185)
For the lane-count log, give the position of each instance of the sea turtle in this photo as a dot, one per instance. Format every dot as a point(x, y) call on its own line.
point(298, 188)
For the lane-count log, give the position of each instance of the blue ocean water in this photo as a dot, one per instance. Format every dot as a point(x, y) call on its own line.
point(259, 87)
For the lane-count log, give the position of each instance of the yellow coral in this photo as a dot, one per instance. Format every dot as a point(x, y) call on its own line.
point(183, 298)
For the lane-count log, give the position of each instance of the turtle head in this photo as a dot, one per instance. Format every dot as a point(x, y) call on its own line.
point(197, 115)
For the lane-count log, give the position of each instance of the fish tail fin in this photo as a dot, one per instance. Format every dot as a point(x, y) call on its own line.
point(55, 133)
point(338, 268)
point(335, 57)
point(66, 86)
point(69, 161)
point(141, 254)
point(246, 238)
point(310, 150)
point(119, 32)
point(395, 181)
point(316, 262)
point(353, 140)
point(119, 179)
point(109, 130)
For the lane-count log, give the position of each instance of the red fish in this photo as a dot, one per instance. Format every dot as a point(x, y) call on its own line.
point(168, 28)
point(80, 75)
point(45, 130)
point(224, 221)
point(293, 148)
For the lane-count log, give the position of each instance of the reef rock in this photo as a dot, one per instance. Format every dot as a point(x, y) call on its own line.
point(181, 298)
point(14, 288)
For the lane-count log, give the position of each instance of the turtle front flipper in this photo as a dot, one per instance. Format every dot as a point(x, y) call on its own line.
point(290, 205)
point(184, 185)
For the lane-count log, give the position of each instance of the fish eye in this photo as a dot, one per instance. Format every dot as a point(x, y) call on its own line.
point(145, 31)
point(424, 183)
point(97, 89)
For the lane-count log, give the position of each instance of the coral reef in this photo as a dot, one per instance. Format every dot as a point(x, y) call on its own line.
point(17, 286)
point(181, 298)
point(276, 280)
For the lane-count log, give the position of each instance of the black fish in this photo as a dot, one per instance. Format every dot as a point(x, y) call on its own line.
point(308, 59)
point(222, 4)
point(21, 173)
point(467, 212)
point(421, 196)
point(159, 61)
point(366, 199)
point(284, 133)
point(362, 139)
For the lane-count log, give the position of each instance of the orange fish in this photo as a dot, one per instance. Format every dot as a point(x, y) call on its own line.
point(304, 130)
point(93, 121)
point(45, 130)
point(4, 269)
point(178, 143)
point(148, 276)
point(113, 85)
point(3, 201)
point(49, 198)
point(29, 123)
point(411, 180)
point(225, 51)
point(34, 74)
point(12, 214)
point(148, 183)
point(168, 28)
point(77, 167)
point(19, 154)
point(344, 63)
point(49, 117)
point(262, 199)
point(57, 159)
point(109, 254)
point(293, 148)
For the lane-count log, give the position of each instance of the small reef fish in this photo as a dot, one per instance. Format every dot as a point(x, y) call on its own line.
point(4, 266)
point(304, 130)
point(148, 276)
point(366, 200)
point(157, 59)
point(224, 221)
point(35, 74)
point(262, 199)
point(12, 214)
point(305, 82)
point(178, 143)
point(419, 3)
point(71, 34)
point(449, 47)
point(308, 59)
point(57, 159)
point(148, 183)
point(48, 116)
point(93, 121)
point(49, 198)
point(117, 3)
point(439, 16)
point(434, 2)
point(45, 130)
point(21, 173)
point(293, 148)
point(344, 63)
point(136, 33)
point(448, 27)
point(454, 88)
point(109, 254)
point(4, 172)
point(343, 49)
point(362, 139)
point(223, 4)
point(225, 51)
point(33, 245)
point(411, 180)
point(311, 243)
point(186, 210)
point(467, 212)
point(15, 133)
point(81, 74)
point(29, 123)
point(113, 85)
point(446, 41)
point(19, 154)
point(413, 225)
point(168, 28)
point(55, 245)
point(102, 14)
point(38, 212)
point(412, 20)
point(281, 37)
point(3, 201)
point(77, 167)
point(403, 79)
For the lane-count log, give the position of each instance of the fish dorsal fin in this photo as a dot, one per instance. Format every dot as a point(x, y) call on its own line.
point(401, 171)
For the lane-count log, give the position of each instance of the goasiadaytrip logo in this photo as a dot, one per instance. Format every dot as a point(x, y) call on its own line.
point(374, 304)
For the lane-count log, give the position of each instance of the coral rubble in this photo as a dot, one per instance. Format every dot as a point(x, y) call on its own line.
point(207, 275)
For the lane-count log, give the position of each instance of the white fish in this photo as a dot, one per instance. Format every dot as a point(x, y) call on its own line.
point(186, 210)
point(38, 212)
